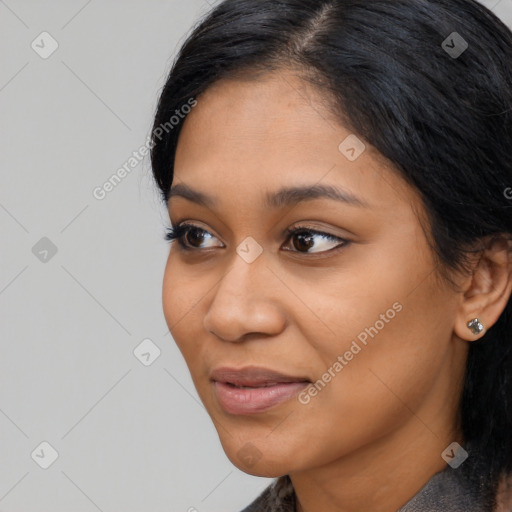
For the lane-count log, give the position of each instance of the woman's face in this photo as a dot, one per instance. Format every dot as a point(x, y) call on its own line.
point(351, 303)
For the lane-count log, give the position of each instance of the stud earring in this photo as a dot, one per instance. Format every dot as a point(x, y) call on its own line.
point(475, 326)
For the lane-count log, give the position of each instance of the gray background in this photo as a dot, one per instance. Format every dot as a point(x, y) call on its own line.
point(130, 433)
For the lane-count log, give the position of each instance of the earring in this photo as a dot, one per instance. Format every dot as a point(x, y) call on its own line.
point(475, 326)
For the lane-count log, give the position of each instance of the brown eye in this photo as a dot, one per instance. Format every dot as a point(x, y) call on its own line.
point(304, 239)
point(188, 236)
point(194, 236)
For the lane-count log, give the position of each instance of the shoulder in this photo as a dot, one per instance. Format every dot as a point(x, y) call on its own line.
point(504, 494)
point(277, 497)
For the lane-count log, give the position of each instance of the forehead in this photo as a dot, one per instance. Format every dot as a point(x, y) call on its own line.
point(246, 136)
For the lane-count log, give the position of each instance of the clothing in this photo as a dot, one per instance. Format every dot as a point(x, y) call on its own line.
point(446, 491)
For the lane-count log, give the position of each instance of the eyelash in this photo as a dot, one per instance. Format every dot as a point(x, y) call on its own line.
point(181, 230)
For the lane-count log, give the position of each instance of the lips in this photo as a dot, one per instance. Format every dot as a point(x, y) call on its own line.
point(253, 377)
point(254, 390)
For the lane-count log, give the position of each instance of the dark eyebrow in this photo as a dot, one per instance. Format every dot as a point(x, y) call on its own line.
point(290, 196)
point(189, 193)
point(284, 197)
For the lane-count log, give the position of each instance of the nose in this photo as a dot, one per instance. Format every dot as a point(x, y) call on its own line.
point(246, 302)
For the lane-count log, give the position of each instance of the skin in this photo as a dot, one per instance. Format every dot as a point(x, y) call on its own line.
point(385, 418)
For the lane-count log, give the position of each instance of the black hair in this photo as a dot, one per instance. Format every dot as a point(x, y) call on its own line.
point(443, 119)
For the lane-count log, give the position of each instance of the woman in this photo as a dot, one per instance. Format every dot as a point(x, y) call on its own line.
point(337, 177)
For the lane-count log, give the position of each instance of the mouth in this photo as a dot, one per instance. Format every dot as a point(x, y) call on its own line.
point(265, 385)
point(253, 390)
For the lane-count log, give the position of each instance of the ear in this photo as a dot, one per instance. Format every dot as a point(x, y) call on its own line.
point(487, 290)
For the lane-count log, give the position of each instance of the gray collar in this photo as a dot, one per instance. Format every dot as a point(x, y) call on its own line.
point(448, 490)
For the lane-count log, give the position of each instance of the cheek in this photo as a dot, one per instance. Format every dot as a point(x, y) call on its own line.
point(389, 367)
point(393, 338)
point(381, 387)
point(181, 301)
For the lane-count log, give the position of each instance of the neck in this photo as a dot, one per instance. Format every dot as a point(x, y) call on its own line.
point(381, 477)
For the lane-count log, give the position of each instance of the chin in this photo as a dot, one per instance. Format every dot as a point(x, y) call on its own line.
point(263, 469)
point(251, 459)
